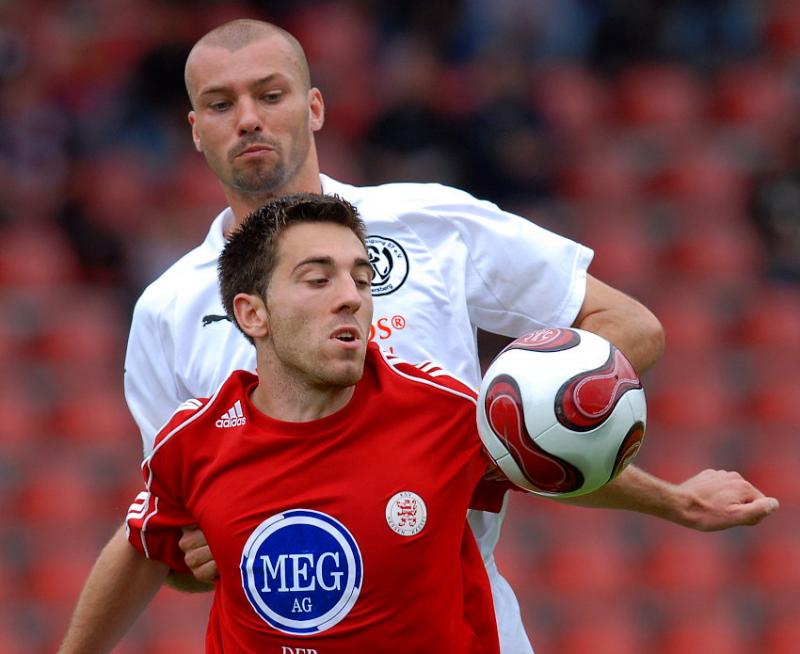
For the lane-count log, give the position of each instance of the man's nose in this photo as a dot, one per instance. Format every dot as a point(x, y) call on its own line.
point(348, 296)
point(249, 117)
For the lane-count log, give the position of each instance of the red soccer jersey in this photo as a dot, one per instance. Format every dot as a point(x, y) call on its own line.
point(339, 535)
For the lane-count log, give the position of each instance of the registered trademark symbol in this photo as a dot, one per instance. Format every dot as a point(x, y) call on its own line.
point(398, 322)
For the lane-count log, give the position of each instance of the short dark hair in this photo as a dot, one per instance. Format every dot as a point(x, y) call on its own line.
point(251, 253)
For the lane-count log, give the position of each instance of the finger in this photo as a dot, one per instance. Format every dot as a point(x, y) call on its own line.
point(755, 511)
point(197, 557)
point(192, 538)
point(206, 573)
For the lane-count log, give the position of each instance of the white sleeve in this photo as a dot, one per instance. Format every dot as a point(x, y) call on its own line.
point(150, 388)
point(518, 276)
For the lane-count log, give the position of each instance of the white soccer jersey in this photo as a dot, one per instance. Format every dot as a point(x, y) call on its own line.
point(444, 263)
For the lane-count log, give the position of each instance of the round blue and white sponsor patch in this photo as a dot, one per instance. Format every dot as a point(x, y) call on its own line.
point(302, 571)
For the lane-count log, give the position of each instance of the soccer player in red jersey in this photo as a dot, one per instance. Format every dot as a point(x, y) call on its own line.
point(333, 487)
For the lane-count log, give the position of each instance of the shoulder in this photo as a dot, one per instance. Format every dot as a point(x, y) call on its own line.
point(187, 272)
point(160, 295)
point(400, 197)
point(426, 377)
point(197, 416)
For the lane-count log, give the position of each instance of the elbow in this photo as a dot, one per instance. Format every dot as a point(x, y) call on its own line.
point(653, 340)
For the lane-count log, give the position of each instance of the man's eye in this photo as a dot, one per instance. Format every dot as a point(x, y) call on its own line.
point(219, 106)
point(272, 96)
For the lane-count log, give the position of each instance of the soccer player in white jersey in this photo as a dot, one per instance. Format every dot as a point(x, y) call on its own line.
point(444, 262)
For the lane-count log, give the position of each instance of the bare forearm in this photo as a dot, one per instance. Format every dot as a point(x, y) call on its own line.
point(120, 585)
point(709, 501)
point(639, 491)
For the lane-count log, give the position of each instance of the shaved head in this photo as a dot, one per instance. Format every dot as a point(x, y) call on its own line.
point(240, 33)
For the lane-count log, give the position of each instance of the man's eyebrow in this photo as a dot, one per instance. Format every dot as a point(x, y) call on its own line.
point(272, 77)
point(360, 262)
point(320, 261)
point(363, 263)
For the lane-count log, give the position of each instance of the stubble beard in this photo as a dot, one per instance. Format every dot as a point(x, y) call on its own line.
point(264, 179)
point(260, 180)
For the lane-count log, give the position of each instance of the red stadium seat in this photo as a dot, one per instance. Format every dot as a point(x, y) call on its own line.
point(35, 256)
point(773, 564)
point(771, 321)
point(718, 258)
point(57, 581)
point(597, 567)
point(22, 422)
point(772, 462)
point(603, 629)
point(682, 564)
point(575, 103)
point(755, 95)
point(782, 29)
point(58, 490)
point(701, 174)
point(780, 636)
point(178, 620)
point(710, 629)
point(691, 399)
point(624, 252)
point(110, 420)
point(665, 98)
point(775, 402)
point(693, 322)
point(604, 174)
point(84, 326)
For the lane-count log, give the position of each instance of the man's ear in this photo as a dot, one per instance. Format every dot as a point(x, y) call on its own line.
point(195, 136)
point(316, 107)
point(250, 313)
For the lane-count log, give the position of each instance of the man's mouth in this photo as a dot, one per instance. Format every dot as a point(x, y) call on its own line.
point(345, 335)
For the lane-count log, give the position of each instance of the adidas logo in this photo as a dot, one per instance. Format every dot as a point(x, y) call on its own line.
point(233, 417)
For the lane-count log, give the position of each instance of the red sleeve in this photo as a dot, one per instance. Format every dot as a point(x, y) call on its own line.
point(489, 495)
point(155, 518)
point(153, 527)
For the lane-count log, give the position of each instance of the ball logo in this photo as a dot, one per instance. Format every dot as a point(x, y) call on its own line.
point(389, 264)
point(587, 400)
point(406, 513)
point(302, 571)
point(550, 339)
point(505, 415)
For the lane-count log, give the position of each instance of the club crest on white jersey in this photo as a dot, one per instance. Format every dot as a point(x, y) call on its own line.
point(302, 571)
point(389, 263)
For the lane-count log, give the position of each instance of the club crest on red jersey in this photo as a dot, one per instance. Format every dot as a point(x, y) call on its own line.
point(302, 571)
point(389, 263)
point(406, 513)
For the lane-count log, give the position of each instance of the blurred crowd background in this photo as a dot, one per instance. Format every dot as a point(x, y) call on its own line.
point(664, 134)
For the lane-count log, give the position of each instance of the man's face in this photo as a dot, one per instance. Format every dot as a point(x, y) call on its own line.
point(319, 305)
point(253, 115)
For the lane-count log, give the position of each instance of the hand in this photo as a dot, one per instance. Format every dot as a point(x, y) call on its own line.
point(718, 499)
point(197, 554)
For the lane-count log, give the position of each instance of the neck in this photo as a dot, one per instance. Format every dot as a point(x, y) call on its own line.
point(284, 397)
point(243, 204)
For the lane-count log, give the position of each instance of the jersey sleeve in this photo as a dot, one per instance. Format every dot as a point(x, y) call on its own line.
point(153, 527)
point(155, 517)
point(518, 275)
point(150, 389)
point(490, 493)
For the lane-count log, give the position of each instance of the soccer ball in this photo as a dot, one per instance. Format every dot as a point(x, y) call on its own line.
point(561, 412)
